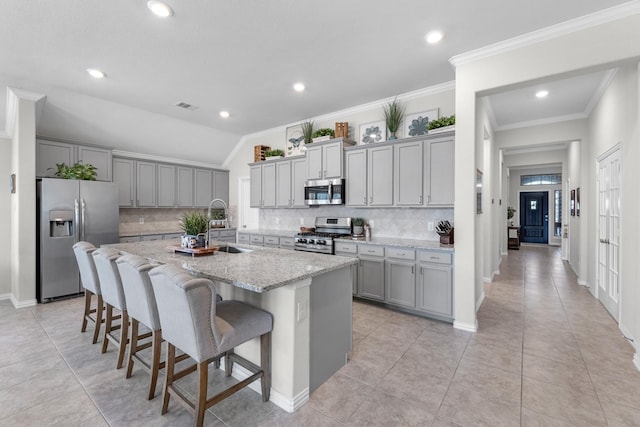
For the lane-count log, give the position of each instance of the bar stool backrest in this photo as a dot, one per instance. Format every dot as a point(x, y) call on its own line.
point(138, 292)
point(110, 282)
point(88, 273)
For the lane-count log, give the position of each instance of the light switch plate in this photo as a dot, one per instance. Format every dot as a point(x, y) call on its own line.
point(370, 223)
point(430, 226)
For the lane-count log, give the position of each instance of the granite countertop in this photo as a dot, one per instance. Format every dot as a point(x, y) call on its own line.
point(151, 231)
point(259, 271)
point(404, 243)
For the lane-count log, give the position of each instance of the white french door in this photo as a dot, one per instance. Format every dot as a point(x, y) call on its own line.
point(609, 174)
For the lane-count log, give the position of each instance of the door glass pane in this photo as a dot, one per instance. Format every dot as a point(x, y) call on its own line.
point(534, 205)
point(557, 210)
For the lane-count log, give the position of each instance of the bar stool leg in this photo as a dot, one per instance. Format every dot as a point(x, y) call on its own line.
point(228, 363)
point(99, 320)
point(155, 363)
point(265, 364)
point(87, 309)
point(133, 347)
point(107, 327)
point(201, 403)
point(124, 332)
point(168, 379)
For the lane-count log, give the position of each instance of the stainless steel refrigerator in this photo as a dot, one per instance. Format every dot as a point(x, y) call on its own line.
point(69, 211)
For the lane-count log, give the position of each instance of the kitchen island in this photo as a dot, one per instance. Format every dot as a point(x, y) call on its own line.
point(308, 294)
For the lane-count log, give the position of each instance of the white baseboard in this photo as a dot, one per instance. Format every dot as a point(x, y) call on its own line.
point(469, 327)
point(632, 341)
point(23, 304)
point(5, 296)
point(487, 279)
point(636, 360)
point(480, 301)
point(584, 283)
point(290, 405)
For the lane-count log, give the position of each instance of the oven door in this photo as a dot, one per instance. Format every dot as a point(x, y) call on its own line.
point(324, 192)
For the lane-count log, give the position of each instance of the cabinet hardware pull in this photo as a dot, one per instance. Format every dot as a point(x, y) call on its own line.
point(420, 199)
point(412, 269)
point(325, 173)
point(365, 200)
point(434, 257)
point(421, 272)
point(429, 198)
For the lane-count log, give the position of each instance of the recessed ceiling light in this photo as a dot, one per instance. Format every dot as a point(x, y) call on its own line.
point(96, 74)
point(298, 87)
point(434, 37)
point(542, 93)
point(224, 114)
point(159, 9)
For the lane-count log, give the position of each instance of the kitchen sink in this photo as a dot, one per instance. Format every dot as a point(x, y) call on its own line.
point(234, 250)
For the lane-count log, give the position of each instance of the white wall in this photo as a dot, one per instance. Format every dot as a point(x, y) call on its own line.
point(573, 223)
point(441, 97)
point(616, 120)
point(5, 219)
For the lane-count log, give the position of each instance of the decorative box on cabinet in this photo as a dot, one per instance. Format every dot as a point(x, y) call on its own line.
point(514, 237)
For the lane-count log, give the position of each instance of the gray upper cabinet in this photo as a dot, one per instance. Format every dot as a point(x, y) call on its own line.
point(51, 153)
point(380, 176)
point(263, 185)
point(314, 162)
point(166, 186)
point(324, 160)
point(332, 160)
point(220, 186)
point(283, 184)
point(255, 177)
point(202, 187)
point(184, 187)
point(146, 184)
point(408, 179)
point(439, 185)
point(124, 175)
point(98, 157)
point(298, 177)
point(356, 180)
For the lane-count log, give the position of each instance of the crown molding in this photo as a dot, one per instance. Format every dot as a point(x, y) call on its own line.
point(602, 87)
point(564, 28)
point(162, 159)
point(545, 121)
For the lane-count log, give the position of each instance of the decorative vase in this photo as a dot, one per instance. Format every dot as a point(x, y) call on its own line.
point(392, 136)
point(358, 229)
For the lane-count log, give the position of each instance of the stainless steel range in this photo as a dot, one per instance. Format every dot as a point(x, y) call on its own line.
point(321, 240)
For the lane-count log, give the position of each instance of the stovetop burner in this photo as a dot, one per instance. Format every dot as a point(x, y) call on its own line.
point(321, 240)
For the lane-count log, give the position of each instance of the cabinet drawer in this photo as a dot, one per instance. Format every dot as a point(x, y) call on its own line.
point(129, 239)
point(436, 257)
point(257, 239)
point(172, 236)
point(371, 250)
point(401, 253)
point(271, 240)
point(286, 242)
point(227, 233)
point(150, 237)
point(350, 248)
point(244, 238)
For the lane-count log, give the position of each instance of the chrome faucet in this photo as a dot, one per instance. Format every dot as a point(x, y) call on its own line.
point(226, 216)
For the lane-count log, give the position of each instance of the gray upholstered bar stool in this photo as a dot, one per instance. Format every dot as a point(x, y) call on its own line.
point(91, 284)
point(142, 308)
point(113, 296)
point(205, 330)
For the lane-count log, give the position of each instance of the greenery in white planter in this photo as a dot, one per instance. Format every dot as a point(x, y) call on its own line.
point(442, 122)
point(393, 115)
point(274, 153)
point(86, 172)
point(307, 131)
point(323, 132)
point(194, 223)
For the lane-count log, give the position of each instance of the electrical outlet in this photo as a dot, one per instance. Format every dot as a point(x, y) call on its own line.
point(301, 221)
point(430, 226)
point(370, 223)
point(141, 220)
point(301, 311)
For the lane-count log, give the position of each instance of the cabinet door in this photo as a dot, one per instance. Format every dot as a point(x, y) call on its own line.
point(145, 184)
point(202, 187)
point(332, 160)
point(255, 174)
point(371, 278)
point(184, 187)
point(269, 185)
point(298, 177)
point(356, 177)
point(408, 178)
point(124, 175)
point(49, 154)
point(439, 173)
point(380, 176)
point(166, 186)
point(314, 162)
point(435, 289)
point(221, 186)
point(98, 157)
point(401, 283)
point(283, 184)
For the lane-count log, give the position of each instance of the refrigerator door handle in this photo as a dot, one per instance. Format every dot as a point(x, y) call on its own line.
point(76, 219)
point(83, 204)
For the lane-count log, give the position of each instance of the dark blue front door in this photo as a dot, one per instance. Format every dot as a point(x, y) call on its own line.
point(534, 217)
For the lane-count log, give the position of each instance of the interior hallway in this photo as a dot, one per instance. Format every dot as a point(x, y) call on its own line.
point(546, 353)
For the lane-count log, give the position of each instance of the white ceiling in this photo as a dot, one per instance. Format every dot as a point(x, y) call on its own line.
point(244, 56)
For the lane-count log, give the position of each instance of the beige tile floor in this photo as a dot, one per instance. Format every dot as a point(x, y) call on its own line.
point(546, 354)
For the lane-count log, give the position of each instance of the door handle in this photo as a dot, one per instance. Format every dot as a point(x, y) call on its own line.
point(76, 214)
point(605, 241)
point(546, 217)
point(83, 208)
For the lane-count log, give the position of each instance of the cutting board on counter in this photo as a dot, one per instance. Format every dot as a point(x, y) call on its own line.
point(194, 251)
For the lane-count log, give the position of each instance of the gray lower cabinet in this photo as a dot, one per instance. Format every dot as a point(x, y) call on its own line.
point(286, 243)
point(349, 250)
point(223, 235)
point(435, 283)
point(400, 283)
point(244, 238)
point(371, 272)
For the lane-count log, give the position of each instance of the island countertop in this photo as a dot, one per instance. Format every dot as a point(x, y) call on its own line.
point(261, 270)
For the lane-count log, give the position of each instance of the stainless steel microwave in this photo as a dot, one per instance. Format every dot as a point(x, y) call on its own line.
point(324, 191)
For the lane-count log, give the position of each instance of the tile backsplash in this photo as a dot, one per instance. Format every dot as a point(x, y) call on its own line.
point(155, 219)
point(405, 223)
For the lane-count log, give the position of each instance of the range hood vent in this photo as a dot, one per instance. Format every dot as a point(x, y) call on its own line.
point(187, 106)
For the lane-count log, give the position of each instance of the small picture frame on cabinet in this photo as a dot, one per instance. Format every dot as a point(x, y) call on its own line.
point(372, 132)
point(417, 124)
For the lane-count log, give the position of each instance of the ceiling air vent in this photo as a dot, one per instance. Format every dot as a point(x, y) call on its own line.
point(187, 106)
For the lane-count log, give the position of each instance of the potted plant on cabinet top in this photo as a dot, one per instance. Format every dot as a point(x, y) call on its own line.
point(393, 115)
point(442, 124)
point(323, 134)
point(273, 154)
point(510, 213)
point(77, 171)
point(358, 226)
point(307, 131)
point(194, 225)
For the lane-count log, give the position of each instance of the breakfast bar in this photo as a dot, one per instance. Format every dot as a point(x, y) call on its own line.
point(309, 296)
